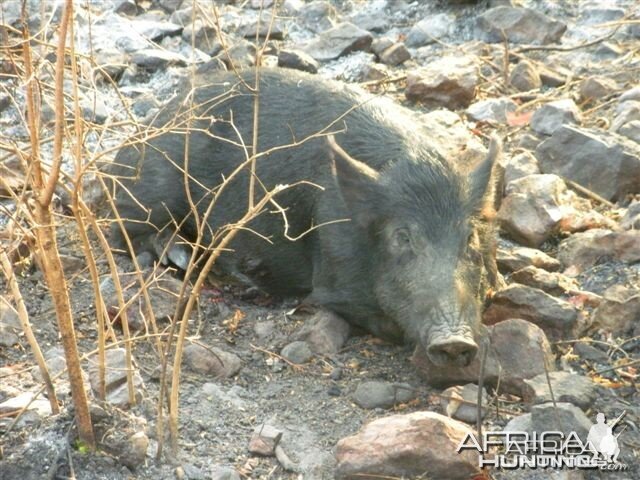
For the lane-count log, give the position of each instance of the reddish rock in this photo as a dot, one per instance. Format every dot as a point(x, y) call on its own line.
point(619, 311)
point(556, 317)
point(448, 82)
point(412, 445)
point(583, 250)
point(521, 257)
point(553, 283)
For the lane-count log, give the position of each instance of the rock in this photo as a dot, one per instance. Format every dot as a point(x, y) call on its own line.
point(633, 94)
point(590, 353)
point(606, 163)
point(372, 16)
point(109, 64)
point(25, 400)
point(240, 54)
point(211, 361)
point(520, 165)
point(380, 44)
point(626, 112)
point(596, 88)
point(583, 250)
point(115, 378)
point(553, 283)
point(10, 326)
point(395, 54)
point(556, 317)
point(519, 25)
point(164, 293)
point(264, 440)
point(56, 363)
point(376, 394)
point(171, 5)
point(525, 77)
point(298, 60)
point(412, 445)
point(297, 352)
point(449, 82)
point(631, 130)
point(153, 30)
point(631, 218)
point(258, 4)
point(566, 387)
point(461, 402)
point(593, 15)
point(533, 208)
point(325, 332)
point(229, 396)
point(521, 257)
point(202, 35)
point(265, 329)
point(518, 351)
point(154, 59)
point(273, 28)
point(125, 7)
point(93, 110)
point(546, 417)
point(551, 116)
point(619, 312)
point(522, 350)
point(491, 110)
point(317, 15)
point(135, 453)
point(373, 72)
point(430, 29)
point(338, 41)
point(224, 473)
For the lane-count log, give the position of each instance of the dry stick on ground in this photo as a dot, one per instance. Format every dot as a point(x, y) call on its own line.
point(46, 229)
point(23, 315)
point(483, 364)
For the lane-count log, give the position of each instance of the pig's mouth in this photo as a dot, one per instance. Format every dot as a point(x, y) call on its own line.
point(455, 351)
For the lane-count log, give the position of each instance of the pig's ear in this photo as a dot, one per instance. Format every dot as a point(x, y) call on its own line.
point(357, 181)
point(482, 179)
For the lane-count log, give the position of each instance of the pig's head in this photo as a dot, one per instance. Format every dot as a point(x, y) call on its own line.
point(426, 223)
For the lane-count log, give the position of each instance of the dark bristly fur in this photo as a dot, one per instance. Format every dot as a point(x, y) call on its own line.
point(416, 256)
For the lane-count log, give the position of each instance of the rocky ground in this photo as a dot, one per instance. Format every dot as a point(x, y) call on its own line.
point(272, 392)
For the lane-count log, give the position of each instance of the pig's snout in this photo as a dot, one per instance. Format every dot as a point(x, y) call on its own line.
point(454, 350)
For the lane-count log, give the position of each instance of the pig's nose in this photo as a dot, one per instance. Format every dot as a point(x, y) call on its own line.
point(455, 351)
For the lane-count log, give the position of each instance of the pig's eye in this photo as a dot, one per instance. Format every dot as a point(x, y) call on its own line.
point(401, 238)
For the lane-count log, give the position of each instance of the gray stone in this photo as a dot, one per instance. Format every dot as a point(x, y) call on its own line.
point(240, 54)
point(566, 387)
point(211, 361)
point(154, 58)
point(556, 317)
point(274, 29)
point(171, 5)
point(380, 44)
point(491, 110)
point(525, 77)
point(115, 378)
point(325, 332)
point(551, 116)
point(225, 395)
point(376, 394)
point(154, 30)
point(430, 29)
point(595, 88)
point(395, 54)
point(631, 218)
point(407, 446)
point(631, 130)
point(224, 473)
point(110, 63)
point(520, 25)
point(627, 111)
point(448, 82)
point(606, 163)
point(565, 418)
point(338, 41)
point(297, 352)
point(10, 326)
point(202, 35)
point(298, 60)
point(316, 15)
point(520, 165)
point(460, 402)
